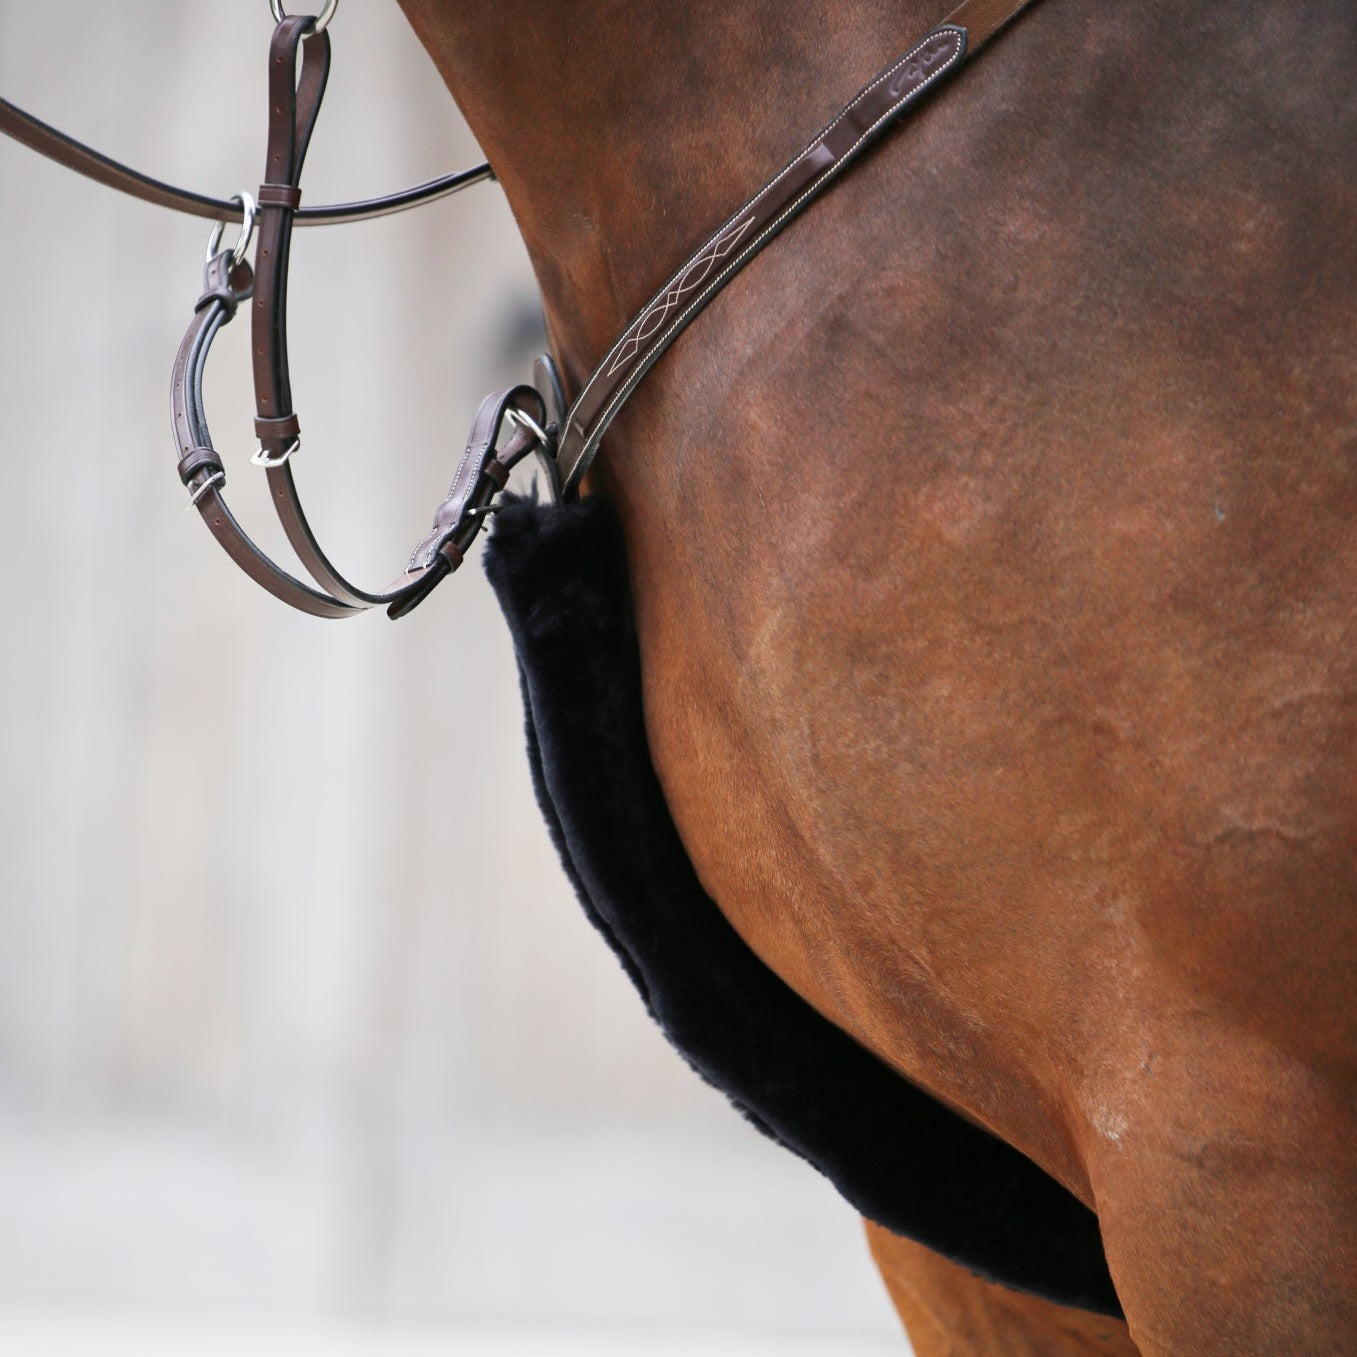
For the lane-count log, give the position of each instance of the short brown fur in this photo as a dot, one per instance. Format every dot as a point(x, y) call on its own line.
point(994, 552)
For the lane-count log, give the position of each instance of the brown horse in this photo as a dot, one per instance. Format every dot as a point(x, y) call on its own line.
point(993, 539)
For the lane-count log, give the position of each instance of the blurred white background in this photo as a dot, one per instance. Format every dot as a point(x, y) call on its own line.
point(274, 1074)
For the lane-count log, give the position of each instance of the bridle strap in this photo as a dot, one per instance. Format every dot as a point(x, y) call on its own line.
point(900, 87)
point(294, 102)
point(75, 155)
point(481, 473)
point(483, 470)
point(225, 285)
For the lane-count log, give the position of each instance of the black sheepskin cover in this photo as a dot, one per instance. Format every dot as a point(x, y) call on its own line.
point(898, 1156)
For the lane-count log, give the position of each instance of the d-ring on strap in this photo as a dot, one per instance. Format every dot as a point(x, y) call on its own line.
point(481, 473)
point(294, 101)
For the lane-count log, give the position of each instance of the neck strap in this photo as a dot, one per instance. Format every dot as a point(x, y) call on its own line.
point(899, 88)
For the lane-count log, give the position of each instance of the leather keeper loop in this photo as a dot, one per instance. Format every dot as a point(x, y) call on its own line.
point(497, 473)
point(280, 195)
point(224, 295)
point(283, 426)
point(452, 554)
point(199, 459)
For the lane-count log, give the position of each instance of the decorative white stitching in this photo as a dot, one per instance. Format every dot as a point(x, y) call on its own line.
point(605, 416)
point(434, 540)
point(609, 358)
point(701, 265)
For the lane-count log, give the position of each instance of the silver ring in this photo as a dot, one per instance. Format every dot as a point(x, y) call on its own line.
point(516, 416)
point(249, 210)
point(322, 19)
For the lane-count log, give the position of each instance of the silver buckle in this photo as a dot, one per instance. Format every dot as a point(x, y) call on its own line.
point(203, 489)
point(262, 458)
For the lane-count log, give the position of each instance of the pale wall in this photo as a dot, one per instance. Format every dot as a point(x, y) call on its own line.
point(262, 1051)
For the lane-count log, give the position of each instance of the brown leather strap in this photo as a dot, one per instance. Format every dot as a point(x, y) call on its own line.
point(901, 86)
point(75, 155)
point(481, 473)
point(294, 102)
point(982, 19)
point(224, 286)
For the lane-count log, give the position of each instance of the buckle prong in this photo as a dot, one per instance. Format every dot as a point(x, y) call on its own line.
point(203, 489)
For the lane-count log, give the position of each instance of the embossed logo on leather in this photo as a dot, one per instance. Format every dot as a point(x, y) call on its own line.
point(922, 64)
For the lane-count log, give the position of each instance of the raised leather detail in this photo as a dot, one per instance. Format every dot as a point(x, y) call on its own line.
point(279, 195)
point(283, 428)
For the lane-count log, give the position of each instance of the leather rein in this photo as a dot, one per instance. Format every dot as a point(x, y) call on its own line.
point(510, 424)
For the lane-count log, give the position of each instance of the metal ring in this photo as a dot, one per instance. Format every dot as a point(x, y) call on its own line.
point(249, 210)
point(322, 21)
point(516, 416)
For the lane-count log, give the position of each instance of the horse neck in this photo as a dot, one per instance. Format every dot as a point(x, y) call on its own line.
point(622, 133)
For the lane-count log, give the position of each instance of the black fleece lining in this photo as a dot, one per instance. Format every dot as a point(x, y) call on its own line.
point(897, 1155)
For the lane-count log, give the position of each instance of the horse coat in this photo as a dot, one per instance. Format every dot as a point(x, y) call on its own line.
point(896, 1154)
